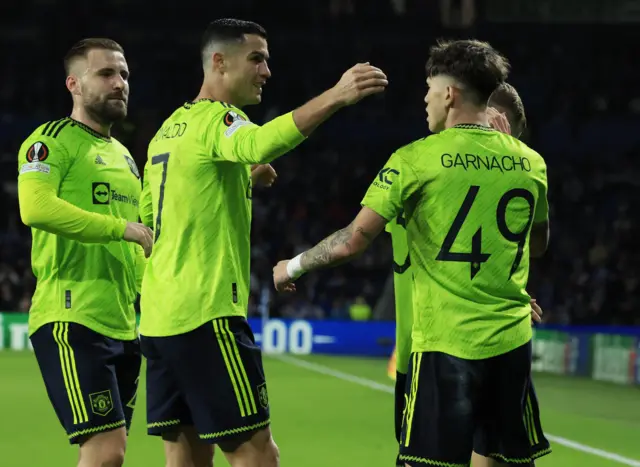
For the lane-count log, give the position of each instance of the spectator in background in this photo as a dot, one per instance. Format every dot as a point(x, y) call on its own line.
point(360, 310)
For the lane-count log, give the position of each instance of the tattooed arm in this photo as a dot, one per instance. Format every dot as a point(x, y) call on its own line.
point(339, 247)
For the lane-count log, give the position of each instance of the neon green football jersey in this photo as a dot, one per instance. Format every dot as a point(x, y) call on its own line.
point(402, 285)
point(93, 284)
point(197, 198)
point(470, 196)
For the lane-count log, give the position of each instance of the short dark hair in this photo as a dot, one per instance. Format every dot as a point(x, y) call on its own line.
point(506, 97)
point(82, 48)
point(473, 63)
point(229, 30)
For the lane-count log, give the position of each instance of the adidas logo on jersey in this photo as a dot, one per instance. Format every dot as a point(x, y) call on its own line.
point(99, 161)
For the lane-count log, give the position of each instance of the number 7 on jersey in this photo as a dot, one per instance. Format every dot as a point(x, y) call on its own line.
point(164, 160)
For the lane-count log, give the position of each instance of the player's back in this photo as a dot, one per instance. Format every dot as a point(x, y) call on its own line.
point(199, 269)
point(88, 283)
point(469, 239)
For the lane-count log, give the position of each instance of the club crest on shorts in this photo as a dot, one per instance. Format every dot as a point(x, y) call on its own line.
point(101, 402)
point(263, 395)
point(37, 152)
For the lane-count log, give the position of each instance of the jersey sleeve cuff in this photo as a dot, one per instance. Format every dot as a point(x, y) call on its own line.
point(380, 210)
point(119, 226)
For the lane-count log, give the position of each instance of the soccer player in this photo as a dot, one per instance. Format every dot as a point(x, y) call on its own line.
point(505, 113)
point(78, 190)
point(476, 208)
point(205, 380)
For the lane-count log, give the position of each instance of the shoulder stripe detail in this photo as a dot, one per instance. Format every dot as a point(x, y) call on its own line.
point(48, 126)
point(53, 127)
point(66, 122)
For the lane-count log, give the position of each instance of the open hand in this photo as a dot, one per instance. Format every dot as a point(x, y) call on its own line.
point(536, 312)
point(358, 82)
point(498, 121)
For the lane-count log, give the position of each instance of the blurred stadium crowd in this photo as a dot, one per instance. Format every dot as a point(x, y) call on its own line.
point(578, 84)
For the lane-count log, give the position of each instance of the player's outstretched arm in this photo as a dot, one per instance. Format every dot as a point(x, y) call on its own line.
point(237, 140)
point(358, 82)
point(340, 247)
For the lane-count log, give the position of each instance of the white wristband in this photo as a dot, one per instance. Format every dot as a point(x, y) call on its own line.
point(294, 269)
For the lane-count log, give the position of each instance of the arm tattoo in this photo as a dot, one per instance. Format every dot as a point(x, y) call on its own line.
point(333, 250)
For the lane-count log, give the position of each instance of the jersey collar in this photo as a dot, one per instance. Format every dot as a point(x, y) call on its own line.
point(472, 126)
point(89, 130)
point(188, 104)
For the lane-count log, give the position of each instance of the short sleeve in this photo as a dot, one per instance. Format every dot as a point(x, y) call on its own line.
point(392, 186)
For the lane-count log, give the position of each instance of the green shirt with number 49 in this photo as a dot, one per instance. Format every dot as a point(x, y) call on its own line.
point(470, 195)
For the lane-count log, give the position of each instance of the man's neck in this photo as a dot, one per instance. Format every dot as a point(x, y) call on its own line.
point(214, 91)
point(80, 115)
point(466, 117)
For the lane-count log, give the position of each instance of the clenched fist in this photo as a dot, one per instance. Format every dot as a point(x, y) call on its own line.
point(263, 175)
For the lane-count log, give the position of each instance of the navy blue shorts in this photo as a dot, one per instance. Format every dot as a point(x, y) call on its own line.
point(456, 406)
point(210, 378)
point(91, 380)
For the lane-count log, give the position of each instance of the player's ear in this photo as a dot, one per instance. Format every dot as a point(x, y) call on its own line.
point(219, 62)
point(73, 85)
point(449, 96)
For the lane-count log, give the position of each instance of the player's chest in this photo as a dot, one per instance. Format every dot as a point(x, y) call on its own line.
point(102, 178)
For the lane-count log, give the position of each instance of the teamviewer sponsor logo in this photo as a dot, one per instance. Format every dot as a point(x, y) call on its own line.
point(101, 192)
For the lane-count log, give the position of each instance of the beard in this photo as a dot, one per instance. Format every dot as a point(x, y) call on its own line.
point(106, 110)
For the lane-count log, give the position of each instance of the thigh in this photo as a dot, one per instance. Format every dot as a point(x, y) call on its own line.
point(220, 373)
point(127, 365)
point(76, 365)
point(508, 428)
point(437, 426)
point(184, 447)
point(167, 410)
